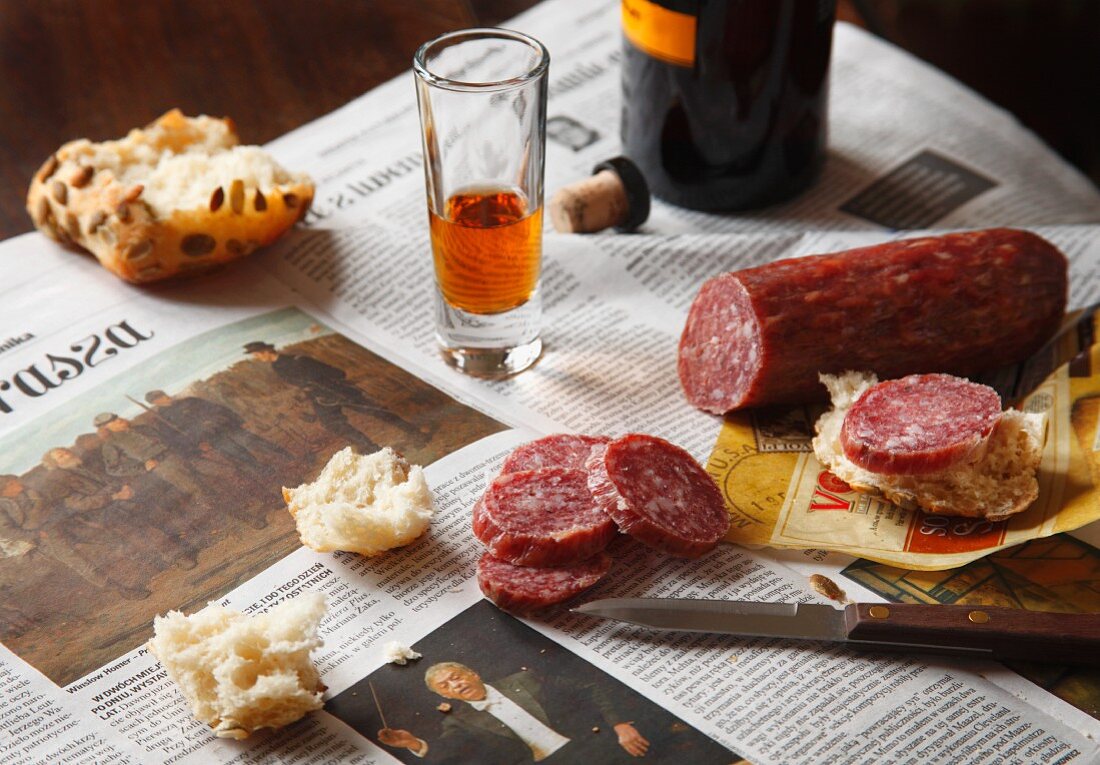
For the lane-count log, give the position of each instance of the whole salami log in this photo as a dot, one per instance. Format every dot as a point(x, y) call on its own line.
point(960, 303)
point(521, 589)
point(919, 424)
point(560, 450)
point(542, 518)
point(657, 493)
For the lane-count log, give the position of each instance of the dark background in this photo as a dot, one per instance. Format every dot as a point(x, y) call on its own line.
point(96, 68)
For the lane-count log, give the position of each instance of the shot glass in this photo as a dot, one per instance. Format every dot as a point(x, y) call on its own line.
point(482, 99)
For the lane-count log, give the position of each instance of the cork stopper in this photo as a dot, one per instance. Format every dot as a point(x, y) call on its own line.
point(616, 194)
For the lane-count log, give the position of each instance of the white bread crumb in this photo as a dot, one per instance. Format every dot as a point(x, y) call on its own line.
point(363, 504)
point(241, 673)
point(998, 482)
point(399, 653)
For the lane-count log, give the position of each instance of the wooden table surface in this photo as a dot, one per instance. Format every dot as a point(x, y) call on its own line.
point(96, 68)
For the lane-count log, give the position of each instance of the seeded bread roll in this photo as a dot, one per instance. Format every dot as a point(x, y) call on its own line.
point(997, 481)
point(179, 196)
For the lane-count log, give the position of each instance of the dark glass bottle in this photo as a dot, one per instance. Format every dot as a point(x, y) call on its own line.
point(724, 101)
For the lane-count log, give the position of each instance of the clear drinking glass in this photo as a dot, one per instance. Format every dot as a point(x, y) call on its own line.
point(482, 99)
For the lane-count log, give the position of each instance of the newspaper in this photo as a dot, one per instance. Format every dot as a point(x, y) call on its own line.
point(106, 525)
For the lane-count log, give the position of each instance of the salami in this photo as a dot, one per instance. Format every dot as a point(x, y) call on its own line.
point(561, 450)
point(919, 424)
point(960, 303)
point(542, 518)
point(658, 494)
point(522, 589)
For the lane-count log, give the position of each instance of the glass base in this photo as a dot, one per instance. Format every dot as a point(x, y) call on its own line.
point(493, 363)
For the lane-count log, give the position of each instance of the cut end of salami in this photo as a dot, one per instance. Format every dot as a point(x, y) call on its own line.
point(919, 424)
point(948, 303)
point(657, 493)
point(564, 450)
point(521, 589)
point(720, 347)
point(542, 517)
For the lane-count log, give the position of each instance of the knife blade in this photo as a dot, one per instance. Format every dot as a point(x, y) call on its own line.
point(979, 631)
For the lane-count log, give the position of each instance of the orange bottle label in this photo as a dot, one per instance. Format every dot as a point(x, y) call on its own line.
point(661, 33)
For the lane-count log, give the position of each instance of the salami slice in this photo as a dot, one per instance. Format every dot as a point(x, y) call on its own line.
point(658, 494)
point(936, 304)
point(542, 518)
point(522, 589)
point(561, 450)
point(919, 424)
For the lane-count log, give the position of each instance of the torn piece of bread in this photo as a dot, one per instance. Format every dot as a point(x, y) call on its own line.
point(177, 197)
point(997, 482)
point(363, 504)
point(399, 653)
point(241, 673)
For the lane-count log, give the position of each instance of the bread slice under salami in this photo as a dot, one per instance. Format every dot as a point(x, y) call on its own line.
point(176, 197)
point(951, 454)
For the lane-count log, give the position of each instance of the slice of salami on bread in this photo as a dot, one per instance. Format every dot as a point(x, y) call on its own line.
point(930, 442)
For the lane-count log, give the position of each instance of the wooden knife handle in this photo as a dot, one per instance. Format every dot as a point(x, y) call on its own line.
point(1008, 632)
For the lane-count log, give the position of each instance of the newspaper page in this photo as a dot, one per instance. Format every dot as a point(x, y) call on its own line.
point(219, 392)
point(598, 690)
point(94, 547)
point(146, 436)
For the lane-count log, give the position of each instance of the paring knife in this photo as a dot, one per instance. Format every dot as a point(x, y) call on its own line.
point(980, 631)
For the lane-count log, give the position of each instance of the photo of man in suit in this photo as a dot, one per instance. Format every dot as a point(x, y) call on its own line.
point(507, 709)
point(498, 692)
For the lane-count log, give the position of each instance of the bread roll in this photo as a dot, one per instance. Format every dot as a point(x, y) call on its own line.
point(177, 197)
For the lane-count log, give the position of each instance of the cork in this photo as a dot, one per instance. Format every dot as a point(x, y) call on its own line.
point(615, 195)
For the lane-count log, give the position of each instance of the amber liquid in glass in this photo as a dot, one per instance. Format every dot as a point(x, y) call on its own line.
point(487, 248)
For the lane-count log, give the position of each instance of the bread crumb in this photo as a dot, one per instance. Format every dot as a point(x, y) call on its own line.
point(444, 707)
point(595, 728)
point(241, 673)
point(398, 653)
point(362, 504)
